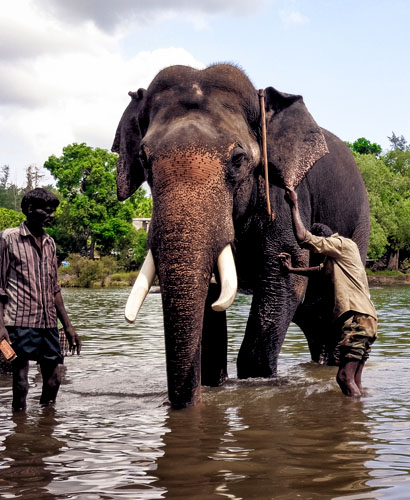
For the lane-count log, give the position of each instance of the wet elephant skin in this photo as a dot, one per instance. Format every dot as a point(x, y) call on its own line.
point(194, 136)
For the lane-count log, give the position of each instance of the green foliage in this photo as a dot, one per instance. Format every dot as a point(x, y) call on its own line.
point(384, 272)
point(132, 254)
point(123, 279)
point(91, 217)
point(10, 218)
point(365, 147)
point(398, 161)
point(142, 204)
point(387, 182)
point(10, 197)
point(86, 273)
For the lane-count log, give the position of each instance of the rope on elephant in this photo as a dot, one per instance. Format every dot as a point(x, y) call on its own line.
point(264, 149)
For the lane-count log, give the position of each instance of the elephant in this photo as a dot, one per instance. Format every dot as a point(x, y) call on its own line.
point(196, 137)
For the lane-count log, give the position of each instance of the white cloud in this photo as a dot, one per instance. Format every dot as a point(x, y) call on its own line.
point(108, 15)
point(62, 86)
point(289, 18)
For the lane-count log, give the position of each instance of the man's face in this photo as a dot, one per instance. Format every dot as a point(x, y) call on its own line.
point(41, 217)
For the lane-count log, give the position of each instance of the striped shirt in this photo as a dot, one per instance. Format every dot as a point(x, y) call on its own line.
point(28, 278)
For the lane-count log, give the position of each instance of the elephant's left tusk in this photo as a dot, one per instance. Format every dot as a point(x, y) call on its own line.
point(229, 280)
point(140, 289)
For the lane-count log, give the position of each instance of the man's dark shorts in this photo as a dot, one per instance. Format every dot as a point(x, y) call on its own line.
point(37, 344)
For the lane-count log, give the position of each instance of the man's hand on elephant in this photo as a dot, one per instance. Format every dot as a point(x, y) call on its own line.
point(291, 197)
point(285, 260)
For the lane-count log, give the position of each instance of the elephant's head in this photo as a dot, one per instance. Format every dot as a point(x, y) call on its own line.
point(194, 136)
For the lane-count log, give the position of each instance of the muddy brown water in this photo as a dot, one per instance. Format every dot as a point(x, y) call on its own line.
point(112, 435)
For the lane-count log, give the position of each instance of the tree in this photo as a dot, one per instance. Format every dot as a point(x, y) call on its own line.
point(90, 210)
point(388, 193)
point(142, 203)
point(398, 161)
point(4, 179)
point(364, 147)
point(398, 142)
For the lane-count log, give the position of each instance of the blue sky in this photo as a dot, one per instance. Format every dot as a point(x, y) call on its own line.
point(67, 65)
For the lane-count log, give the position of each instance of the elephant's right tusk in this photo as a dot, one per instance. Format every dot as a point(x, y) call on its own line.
point(229, 280)
point(140, 289)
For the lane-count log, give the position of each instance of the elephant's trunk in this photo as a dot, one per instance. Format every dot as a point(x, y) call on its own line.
point(191, 225)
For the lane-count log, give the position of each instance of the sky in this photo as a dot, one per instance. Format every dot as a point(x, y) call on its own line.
point(66, 66)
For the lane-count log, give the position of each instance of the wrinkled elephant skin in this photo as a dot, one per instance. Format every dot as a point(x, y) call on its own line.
point(194, 136)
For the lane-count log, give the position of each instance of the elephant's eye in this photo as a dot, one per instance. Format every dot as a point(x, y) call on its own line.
point(238, 158)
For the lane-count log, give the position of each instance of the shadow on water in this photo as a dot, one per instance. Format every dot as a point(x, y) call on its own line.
point(113, 436)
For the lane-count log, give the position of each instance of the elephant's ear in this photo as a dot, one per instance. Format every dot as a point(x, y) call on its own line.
point(294, 140)
point(130, 173)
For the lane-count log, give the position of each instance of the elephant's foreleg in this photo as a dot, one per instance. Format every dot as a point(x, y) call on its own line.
point(214, 342)
point(266, 329)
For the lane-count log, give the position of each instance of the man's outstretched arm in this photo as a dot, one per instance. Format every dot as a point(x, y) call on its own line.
point(298, 228)
point(286, 261)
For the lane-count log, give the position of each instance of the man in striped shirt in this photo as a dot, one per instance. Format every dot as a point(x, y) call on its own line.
point(30, 298)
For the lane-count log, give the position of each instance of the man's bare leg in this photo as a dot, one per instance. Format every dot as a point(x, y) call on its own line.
point(358, 376)
point(20, 383)
point(346, 377)
point(51, 383)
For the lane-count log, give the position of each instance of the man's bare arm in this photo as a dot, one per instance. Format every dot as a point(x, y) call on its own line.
point(286, 262)
point(4, 334)
point(72, 337)
point(298, 226)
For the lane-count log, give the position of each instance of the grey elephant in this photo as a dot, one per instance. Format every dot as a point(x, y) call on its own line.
point(195, 137)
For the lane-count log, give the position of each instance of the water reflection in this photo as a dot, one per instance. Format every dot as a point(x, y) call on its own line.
point(239, 445)
point(24, 468)
point(113, 436)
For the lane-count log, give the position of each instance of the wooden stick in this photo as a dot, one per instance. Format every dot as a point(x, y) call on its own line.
point(264, 149)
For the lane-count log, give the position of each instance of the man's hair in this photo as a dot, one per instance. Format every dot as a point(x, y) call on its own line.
point(39, 198)
point(321, 230)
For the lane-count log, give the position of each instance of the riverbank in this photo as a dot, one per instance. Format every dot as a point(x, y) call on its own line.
point(388, 278)
point(120, 280)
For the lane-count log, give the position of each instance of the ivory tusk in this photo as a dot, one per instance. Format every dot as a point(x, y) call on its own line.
point(140, 289)
point(229, 280)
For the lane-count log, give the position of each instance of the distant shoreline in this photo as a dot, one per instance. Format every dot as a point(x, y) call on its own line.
point(377, 279)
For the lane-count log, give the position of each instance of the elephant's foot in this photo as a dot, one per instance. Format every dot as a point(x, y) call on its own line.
point(214, 379)
point(346, 378)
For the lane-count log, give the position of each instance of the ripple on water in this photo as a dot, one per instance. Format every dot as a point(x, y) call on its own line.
point(112, 434)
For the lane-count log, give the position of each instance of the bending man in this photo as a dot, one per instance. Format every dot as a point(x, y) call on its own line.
point(353, 312)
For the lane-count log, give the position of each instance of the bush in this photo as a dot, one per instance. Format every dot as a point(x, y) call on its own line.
point(123, 279)
point(86, 273)
point(385, 272)
point(10, 218)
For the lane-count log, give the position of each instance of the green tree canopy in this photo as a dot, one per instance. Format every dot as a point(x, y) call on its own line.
point(364, 147)
point(90, 214)
point(388, 194)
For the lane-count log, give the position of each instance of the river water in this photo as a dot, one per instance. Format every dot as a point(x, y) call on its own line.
point(112, 435)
